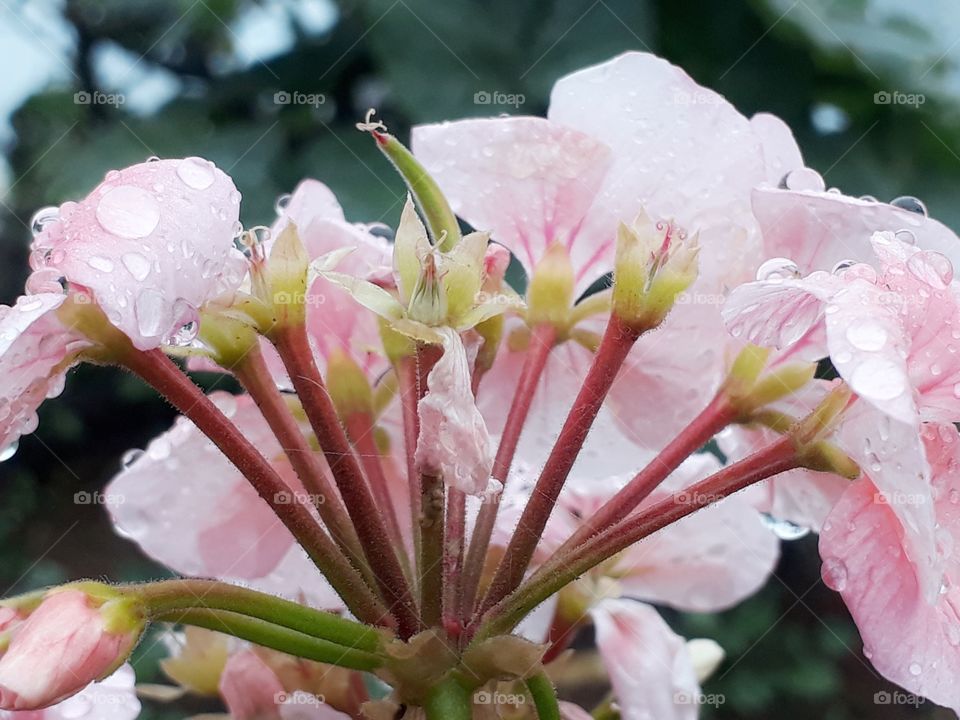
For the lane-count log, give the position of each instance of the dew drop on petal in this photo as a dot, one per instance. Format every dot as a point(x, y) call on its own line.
point(834, 574)
point(128, 212)
point(42, 218)
point(136, 264)
point(803, 179)
point(910, 204)
point(9, 451)
point(281, 203)
point(196, 173)
point(784, 529)
point(906, 236)
point(878, 378)
point(130, 457)
point(915, 669)
point(843, 265)
point(932, 267)
point(98, 262)
point(778, 269)
point(867, 335)
point(150, 309)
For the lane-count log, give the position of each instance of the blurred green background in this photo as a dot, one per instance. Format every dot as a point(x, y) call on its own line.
point(270, 91)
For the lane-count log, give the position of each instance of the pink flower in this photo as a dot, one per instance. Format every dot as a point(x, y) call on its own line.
point(70, 640)
point(453, 441)
point(189, 508)
point(113, 698)
point(153, 243)
point(252, 691)
point(628, 135)
point(36, 350)
point(911, 639)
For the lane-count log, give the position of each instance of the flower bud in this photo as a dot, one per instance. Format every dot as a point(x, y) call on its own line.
point(77, 635)
point(287, 268)
point(348, 385)
point(655, 262)
point(550, 294)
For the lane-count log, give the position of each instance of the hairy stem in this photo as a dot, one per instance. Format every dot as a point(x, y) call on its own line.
point(544, 697)
point(454, 535)
point(294, 348)
point(164, 375)
point(253, 374)
point(714, 418)
point(616, 344)
point(408, 378)
point(166, 596)
point(273, 636)
point(561, 570)
point(542, 340)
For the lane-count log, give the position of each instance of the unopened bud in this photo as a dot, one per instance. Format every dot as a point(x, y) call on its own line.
point(550, 293)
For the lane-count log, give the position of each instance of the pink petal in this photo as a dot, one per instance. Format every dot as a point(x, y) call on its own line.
point(188, 507)
point(113, 698)
point(780, 151)
point(706, 562)
point(35, 348)
point(911, 640)
point(680, 151)
point(63, 646)
point(454, 441)
point(154, 242)
point(250, 689)
point(817, 230)
point(526, 180)
point(648, 663)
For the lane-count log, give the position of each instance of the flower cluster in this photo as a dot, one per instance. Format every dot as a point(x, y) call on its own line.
point(438, 474)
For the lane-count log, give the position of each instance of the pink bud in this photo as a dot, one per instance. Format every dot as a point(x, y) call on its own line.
point(69, 641)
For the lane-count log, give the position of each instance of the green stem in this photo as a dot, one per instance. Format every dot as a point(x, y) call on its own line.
point(275, 637)
point(449, 700)
point(544, 697)
point(168, 596)
point(432, 513)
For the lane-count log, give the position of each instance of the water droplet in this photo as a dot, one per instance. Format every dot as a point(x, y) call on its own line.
point(868, 198)
point(915, 669)
point(128, 212)
point(906, 236)
point(932, 267)
point(878, 378)
point(834, 574)
point(130, 457)
point(151, 311)
point(42, 218)
point(136, 264)
point(910, 204)
point(784, 529)
point(196, 173)
point(98, 262)
point(281, 203)
point(803, 179)
point(184, 335)
point(778, 269)
point(843, 265)
point(153, 159)
point(9, 451)
point(867, 335)
point(251, 242)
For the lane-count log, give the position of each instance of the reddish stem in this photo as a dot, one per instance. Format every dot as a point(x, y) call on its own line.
point(454, 536)
point(614, 347)
point(560, 570)
point(360, 428)
point(167, 378)
point(408, 379)
point(431, 506)
point(714, 418)
point(294, 348)
point(253, 374)
point(542, 340)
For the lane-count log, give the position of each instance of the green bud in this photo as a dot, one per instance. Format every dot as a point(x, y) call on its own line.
point(550, 292)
